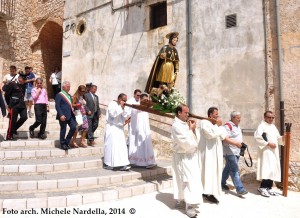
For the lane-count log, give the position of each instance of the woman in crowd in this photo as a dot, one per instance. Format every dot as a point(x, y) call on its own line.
point(55, 80)
point(40, 98)
point(79, 105)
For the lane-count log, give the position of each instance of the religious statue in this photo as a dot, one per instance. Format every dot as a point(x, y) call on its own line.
point(165, 68)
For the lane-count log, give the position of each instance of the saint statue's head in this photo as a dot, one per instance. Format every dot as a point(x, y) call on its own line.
point(173, 38)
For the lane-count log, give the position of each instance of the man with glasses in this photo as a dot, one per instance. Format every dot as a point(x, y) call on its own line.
point(268, 162)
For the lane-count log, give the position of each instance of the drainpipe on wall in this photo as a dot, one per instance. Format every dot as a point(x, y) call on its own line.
point(266, 56)
point(280, 80)
point(189, 54)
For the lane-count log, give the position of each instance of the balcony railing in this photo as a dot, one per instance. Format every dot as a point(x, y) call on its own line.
point(7, 9)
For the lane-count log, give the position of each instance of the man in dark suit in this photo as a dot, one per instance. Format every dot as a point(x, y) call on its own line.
point(15, 92)
point(65, 115)
point(93, 113)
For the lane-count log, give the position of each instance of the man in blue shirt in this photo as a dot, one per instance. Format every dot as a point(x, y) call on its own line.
point(30, 79)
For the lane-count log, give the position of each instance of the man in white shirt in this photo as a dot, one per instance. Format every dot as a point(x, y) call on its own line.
point(12, 76)
point(268, 162)
point(231, 151)
point(185, 169)
point(115, 149)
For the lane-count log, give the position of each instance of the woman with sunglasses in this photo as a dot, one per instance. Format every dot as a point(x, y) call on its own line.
point(40, 98)
point(79, 105)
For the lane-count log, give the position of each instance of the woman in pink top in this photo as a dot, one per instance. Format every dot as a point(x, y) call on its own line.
point(40, 98)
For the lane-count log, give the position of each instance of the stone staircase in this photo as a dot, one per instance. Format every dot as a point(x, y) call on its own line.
point(38, 174)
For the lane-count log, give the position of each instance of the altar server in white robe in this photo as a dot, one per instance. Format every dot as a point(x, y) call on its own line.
point(140, 147)
point(185, 169)
point(115, 149)
point(268, 162)
point(132, 124)
point(211, 152)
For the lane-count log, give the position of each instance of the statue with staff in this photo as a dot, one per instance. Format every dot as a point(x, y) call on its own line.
point(165, 68)
point(161, 81)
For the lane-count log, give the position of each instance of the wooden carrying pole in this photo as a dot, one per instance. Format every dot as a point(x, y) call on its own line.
point(150, 110)
point(286, 159)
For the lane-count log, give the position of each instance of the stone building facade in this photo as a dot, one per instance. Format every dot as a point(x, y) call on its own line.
point(33, 37)
point(113, 44)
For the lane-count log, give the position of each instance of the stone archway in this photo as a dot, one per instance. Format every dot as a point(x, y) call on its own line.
point(50, 39)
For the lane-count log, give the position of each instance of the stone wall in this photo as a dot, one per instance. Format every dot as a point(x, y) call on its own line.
point(290, 47)
point(15, 38)
point(33, 37)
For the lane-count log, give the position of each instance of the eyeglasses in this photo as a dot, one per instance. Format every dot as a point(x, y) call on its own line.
point(270, 117)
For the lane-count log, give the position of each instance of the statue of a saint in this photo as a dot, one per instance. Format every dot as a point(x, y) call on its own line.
point(166, 66)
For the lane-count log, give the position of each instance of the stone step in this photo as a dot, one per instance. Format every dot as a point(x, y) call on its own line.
point(24, 153)
point(30, 121)
point(35, 142)
point(26, 125)
point(50, 134)
point(73, 181)
point(38, 166)
point(50, 120)
point(126, 189)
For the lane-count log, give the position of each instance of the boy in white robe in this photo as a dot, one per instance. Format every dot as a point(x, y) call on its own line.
point(268, 162)
point(115, 149)
point(185, 169)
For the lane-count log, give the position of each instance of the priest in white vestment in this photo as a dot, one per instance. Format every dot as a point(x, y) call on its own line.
point(115, 148)
point(185, 169)
point(268, 162)
point(140, 142)
point(211, 152)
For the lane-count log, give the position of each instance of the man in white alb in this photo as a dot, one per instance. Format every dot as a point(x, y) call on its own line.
point(140, 142)
point(211, 152)
point(185, 169)
point(268, 163)
point(132, 120)
point(115, 149)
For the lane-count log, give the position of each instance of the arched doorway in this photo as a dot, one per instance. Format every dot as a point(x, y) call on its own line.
point(51, 48)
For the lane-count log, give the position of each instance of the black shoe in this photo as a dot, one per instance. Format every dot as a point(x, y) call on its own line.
point(11, 139)
point(108, 168)
point(42, 136)
point(151, 166)
point(31, 132)
point(225, 187)
point(211, 198)
point(65, 147)
point(125, 168)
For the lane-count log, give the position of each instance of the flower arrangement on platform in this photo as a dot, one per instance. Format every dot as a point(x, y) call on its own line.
point(167, 102)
